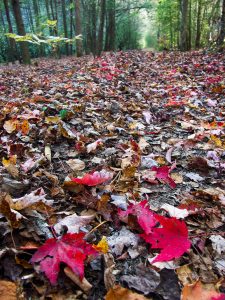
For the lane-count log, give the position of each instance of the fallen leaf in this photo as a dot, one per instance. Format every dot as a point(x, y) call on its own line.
point(48, 153)
point(162, 173)
point(145, 217)
point(102, 245)
point(10, 125)
point(70, 249)
point(93, 146)
point(175, 212)
point(118, 292)
point(8, 290)
point(76, 164)
point(25, 127)
point(93, 179)
point(120, 239)
point(199, 291)
point(73, 223)
point(172, 238)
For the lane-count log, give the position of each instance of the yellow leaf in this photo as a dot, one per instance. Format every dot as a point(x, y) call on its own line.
point(52, 120)
point(10, 161)
point(160, 160)
point(217, 141)
point(102, 246)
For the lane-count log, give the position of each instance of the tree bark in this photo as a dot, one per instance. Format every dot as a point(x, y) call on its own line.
point(198, 25)
point(184, 26)
point(12, 43)
point(78, 28)
point(21, 31)
point(112, 26)
point(101, 27)
point(65, 25)
point(221, 37)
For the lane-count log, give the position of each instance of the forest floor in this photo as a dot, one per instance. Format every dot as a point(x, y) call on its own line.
point(118, 161)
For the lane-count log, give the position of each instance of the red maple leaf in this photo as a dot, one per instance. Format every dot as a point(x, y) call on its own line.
point(70, 249)
point(145, 217)
point(93, 179)
point(171, 238)
point(162, 173)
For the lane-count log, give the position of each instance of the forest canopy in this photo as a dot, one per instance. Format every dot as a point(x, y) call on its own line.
point(39, 28)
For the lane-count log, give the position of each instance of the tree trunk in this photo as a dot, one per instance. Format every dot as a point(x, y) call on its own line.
point(94, 28)
point(65, 25)
point(101, 27)
point(78, 28)
point(71, 26)
point(12, 43)
point(21, 31)
point(221, 37)
point(184, 26)
point(111, 26)
point(189, 25)
point(198, 25)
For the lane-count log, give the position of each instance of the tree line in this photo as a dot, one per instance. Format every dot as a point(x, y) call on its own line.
point(190, 24)
point(48, 27)
point(105, 25)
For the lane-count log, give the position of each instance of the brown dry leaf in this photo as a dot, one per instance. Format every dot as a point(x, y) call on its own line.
point(10, 165)
point(185, 274)
point(101, 205)
point(198, 291)
point(109, 277)
point(160, 160)
point(48, 153)
point(12, 216)
point(10, 125)
point(72, 186)
point(211, 194)
point(178, 178)
point(128, 172)
point(76, 164)
point(198, 163)
point(8, 290)
point(73, 223)
point(143, 144)
point(65, 131)
point(83, 284)
point(34, 201)
point(120, 293)
point(28, 200)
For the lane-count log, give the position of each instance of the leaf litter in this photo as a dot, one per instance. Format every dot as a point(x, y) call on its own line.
point(112, 184)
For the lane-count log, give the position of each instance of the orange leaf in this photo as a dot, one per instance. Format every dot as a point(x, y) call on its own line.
point(118, 292)
point(8, 290)
point(25, 127)
point(198, 291)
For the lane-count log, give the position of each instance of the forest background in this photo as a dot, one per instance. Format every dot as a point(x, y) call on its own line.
point(40, 28)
